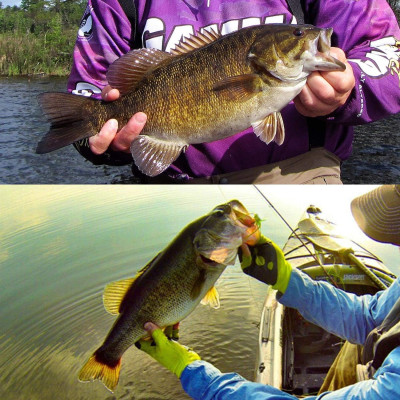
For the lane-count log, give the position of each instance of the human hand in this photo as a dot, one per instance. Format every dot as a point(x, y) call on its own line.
point(325, 91)
point(265, 261)
point(168, 353)
point(109, 136)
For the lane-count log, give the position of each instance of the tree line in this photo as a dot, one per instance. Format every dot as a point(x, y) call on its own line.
point(38, 36)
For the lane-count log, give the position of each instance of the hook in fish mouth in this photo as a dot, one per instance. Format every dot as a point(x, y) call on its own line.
point(243, 218)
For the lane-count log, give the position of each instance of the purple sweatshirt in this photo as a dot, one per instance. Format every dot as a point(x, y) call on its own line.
point(366, 30)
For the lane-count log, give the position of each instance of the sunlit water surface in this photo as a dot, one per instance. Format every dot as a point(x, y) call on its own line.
point(59, 247)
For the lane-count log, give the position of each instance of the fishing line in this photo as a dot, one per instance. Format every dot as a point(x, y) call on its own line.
point(293, 232)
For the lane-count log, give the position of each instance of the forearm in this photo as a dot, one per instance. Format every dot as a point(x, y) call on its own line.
point(341, 313)
point(202, 381)
point(104, 36)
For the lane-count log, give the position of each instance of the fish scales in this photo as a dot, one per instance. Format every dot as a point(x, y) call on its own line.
point(209, 93)
point(193, 100)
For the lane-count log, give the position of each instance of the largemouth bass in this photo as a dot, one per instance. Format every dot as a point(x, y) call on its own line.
point(170, 286)
point(210, 87)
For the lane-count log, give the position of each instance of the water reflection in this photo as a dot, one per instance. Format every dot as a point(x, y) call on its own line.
point(59, 247)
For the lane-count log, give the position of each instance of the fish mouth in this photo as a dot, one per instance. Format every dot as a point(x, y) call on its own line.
point(225, 229)
point(244, 219)
point(318, 56)
point(208, 261)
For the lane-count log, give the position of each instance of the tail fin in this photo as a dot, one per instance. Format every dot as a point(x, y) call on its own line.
point(95, 369)
point(70, 119)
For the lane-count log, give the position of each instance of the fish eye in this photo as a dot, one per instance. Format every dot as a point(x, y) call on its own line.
point(219, 213)
point(298, 32)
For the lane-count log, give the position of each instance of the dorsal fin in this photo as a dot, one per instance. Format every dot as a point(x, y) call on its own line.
point(211, 298)
point(195, 41)
point(125, 72)
point(114, 293)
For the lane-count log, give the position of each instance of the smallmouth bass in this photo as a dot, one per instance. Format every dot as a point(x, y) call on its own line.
point(210, 87)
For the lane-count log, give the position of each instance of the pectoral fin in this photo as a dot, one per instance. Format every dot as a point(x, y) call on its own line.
point(211, 298)
point(239, 88)
point(153, 156)
point(270, 128)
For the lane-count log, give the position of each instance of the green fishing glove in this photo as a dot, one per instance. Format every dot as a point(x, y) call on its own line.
point(168, 353)
point(266, 263)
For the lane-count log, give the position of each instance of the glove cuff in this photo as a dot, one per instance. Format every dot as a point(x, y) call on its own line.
point(189, 357)
point(284, 270)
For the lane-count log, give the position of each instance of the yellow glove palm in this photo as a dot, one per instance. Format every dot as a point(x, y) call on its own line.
point(168, 353)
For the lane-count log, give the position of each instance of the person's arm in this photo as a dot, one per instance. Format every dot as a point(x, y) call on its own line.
point(341, 313)
point(385, 385)
point(203, 381)
point(368, 33)
point(104, 36)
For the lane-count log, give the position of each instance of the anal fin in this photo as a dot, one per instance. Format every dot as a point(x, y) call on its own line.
point(153, 156)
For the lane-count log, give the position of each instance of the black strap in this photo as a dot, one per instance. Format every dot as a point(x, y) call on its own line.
point(297, 10)
point(384, 338)
point(316, 132)
point(130, 10)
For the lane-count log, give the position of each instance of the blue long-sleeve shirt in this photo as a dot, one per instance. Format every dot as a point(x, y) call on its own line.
point(344, 314)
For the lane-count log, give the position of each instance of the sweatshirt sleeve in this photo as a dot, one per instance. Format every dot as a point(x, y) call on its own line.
point(104, 35)
point(202, 381)
point(344, 314)
point(368, 32)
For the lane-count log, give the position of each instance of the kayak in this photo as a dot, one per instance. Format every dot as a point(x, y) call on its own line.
point(293, 354)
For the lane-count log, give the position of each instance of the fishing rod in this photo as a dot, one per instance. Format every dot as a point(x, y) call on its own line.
point(295, 234)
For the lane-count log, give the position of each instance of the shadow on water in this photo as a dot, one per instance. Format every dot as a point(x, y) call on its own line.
point(374, 160)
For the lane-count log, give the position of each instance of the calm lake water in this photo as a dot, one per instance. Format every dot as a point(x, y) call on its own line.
point(60, 246)
point(375, 158)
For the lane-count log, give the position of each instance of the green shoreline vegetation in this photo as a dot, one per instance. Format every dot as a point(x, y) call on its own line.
point(38, 37)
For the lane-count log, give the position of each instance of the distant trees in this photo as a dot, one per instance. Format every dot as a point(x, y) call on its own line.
point(38, 37)
point(35, 16)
